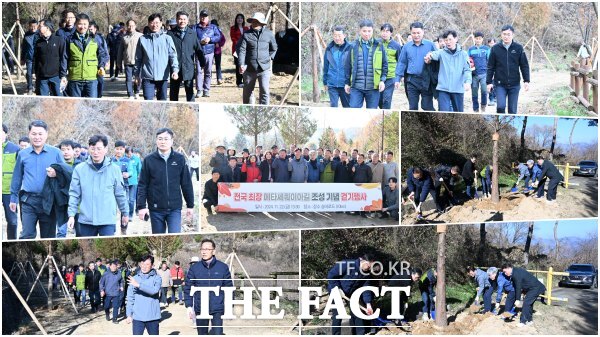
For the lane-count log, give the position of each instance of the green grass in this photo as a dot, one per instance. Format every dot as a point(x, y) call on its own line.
point(458, 295)
point(506, 180)
point(563, 105)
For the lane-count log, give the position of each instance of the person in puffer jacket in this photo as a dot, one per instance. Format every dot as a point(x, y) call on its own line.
point(366, 69)
point(143, 306)
point(333, 69)
point(454, 77)
point(155, 59)
point(252, 171)
point(208, 272)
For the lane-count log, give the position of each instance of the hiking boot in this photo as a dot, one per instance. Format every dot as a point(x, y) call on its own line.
point(219, 82)
point(30, 92)
point(475, 110)
point(384, 215)
point(115, 321)
point(123, 230)
point(213, 210)
point(206, 94)
point(483, 108)
point(114, 78)
point(530, 323)
point(130, 97)
point(551, 202)
point(241, 85)
point(107, 317)
point(137, 95)
point(198, 94)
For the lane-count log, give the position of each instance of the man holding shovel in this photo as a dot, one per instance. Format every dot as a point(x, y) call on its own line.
point(549, 171)
point(469, 174)
point(484, 287)
point(525, 282)
point(420, 184)
point(346, 277)
point(447, 177)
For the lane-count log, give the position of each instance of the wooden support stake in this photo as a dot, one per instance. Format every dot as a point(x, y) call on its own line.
point(543, 52)
point(289, 89)
point(288, 20)
point(12, 84)
point(37, 278)
point(65, 289)
point(10, 52)
point(23, 302)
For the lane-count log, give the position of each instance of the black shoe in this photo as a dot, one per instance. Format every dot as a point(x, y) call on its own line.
point(107, 317)
point(363, 215)
point(115, 321)
point(384, 216)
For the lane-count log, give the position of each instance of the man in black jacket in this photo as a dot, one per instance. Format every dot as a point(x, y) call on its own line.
point(210, 199)
point(255, 60)
point(187, 46)
point(343, 169)
point(525, 282)
point(549, 171)
point(233, 173)
point(469, 174)
point(49, 65)
point(505, 60)
point(362, 173)
point(164, 178)
point(27, 45)
point(92, 285)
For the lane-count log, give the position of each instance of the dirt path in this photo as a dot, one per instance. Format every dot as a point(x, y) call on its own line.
point(579, 201)
point(174, 321)
point(137, 226)
point(543, 83)
point(227, 92)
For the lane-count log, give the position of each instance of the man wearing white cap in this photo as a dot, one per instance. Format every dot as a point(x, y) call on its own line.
point(255, 58)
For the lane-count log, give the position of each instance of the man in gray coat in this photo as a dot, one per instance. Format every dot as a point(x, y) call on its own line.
point(391, 200)
point(97, 189)
point(298, 168)
point(255, 60)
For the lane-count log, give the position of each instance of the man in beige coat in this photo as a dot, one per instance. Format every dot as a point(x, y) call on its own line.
point(126, 57)
point(167, 282)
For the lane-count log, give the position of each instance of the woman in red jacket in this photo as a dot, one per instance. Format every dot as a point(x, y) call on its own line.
point(236, 32)
point(252, 171)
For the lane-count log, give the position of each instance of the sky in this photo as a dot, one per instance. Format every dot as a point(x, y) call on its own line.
point(213, 114)
point(566, 228)
point(582, 133)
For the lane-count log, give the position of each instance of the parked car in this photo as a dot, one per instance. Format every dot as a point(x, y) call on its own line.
point(580, 275)
point(587, 168)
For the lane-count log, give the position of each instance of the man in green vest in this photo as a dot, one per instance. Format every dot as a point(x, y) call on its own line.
point(327, 168)
point(392, 50)
point(80, 286)
point(9, 159)
point(86, 59)
point(366, 69)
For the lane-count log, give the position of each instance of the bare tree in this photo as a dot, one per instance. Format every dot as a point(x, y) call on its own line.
point(527, 245)
point(441, 318)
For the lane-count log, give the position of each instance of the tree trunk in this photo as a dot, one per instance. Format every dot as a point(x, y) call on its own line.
point(482, 245)
point(522, 148)
point(495, 139)
point(288, 10)
point(575, 120)
point(556, 242)
point(316, 96)
point(19, 41)
point(50, 276)
point(553, 138)
point(527, 245)
point(107, 19)
point(441, 319)
point(272, 26)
